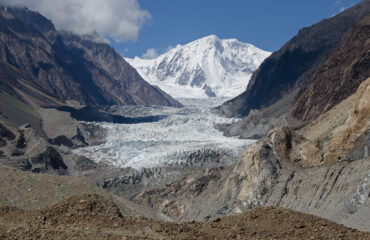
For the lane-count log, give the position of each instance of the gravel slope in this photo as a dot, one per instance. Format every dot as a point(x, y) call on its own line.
point(94, 217)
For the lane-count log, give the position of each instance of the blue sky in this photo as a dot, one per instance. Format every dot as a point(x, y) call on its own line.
point(268, 24)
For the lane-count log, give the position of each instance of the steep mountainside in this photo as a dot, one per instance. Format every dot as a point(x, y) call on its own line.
point(325, 165)
point(68, 67)
point(285, 70)
point(207, 67)
point(339, 76)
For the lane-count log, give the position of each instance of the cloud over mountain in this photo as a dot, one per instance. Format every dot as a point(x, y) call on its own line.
point(118, 19)
point(150, 54)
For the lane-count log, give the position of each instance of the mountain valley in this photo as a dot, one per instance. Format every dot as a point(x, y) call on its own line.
point(215, 139)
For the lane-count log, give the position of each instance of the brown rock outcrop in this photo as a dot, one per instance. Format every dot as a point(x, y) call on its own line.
point(339, 130)
point(339, 76)
point(260, 166)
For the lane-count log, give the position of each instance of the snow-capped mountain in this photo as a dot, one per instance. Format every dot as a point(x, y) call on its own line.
point(207, 67)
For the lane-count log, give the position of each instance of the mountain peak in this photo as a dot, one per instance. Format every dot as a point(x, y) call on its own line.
point(207, 67)
point(209, 38)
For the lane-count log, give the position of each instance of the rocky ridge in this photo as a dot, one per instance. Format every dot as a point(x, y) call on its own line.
point(339, 76)
point(66, 67)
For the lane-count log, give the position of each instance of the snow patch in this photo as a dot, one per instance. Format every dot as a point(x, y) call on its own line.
point(204, 68)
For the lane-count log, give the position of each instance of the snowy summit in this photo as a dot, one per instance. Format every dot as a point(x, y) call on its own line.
point(207, 67)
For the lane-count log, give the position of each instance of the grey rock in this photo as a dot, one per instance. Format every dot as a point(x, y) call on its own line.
point(361, 149)
point(49, 159)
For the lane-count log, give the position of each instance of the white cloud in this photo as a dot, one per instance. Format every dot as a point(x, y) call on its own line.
point(153, 53)
point(118, 19)
point(150, 54)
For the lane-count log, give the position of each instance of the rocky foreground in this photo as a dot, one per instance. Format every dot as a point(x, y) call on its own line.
point(95, 217)
point(63, 207)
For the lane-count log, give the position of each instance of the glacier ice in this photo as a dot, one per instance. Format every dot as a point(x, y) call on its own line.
point(187, 136)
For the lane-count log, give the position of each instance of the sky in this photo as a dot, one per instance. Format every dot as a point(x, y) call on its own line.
point(147, 28)
point(267, 24)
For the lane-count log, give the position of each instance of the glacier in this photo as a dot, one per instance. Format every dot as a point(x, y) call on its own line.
point(186, 137)
point(207, 67)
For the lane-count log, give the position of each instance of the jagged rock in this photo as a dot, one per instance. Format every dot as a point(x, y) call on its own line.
point(49, 159)
point(252, 176)
point(30, 152)
point(91, 133)
point(21, 142)
point(61, 140)
point(5, 133)
point(289, 145)
point(84, 164)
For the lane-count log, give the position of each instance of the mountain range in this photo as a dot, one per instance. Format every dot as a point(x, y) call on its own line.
point(49, 67)
point(207, 67)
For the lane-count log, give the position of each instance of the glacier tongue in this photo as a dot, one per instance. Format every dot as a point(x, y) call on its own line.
point(187, 137)
point(207, 67)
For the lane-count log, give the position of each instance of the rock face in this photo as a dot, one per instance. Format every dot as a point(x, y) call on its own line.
point(285, 69)
point(338, 192)
point(326, 172)
point(24, 149)
point(260, 166)
point(343, 132)
point(67, 67)
point(339, 76)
